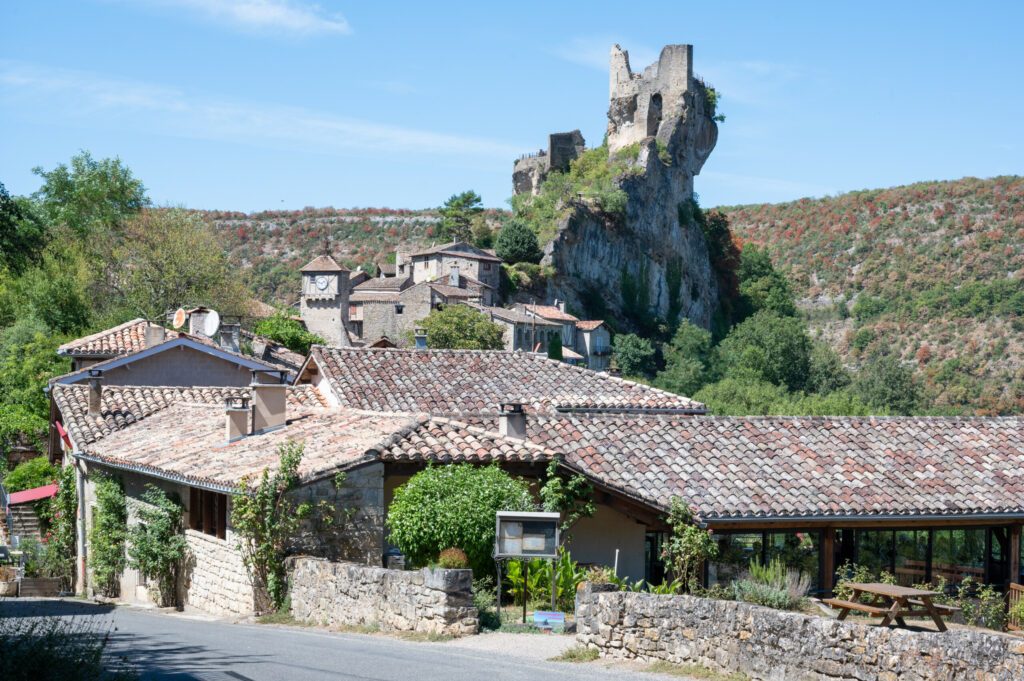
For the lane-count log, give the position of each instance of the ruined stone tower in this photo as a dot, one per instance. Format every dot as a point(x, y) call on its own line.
point(649, 261)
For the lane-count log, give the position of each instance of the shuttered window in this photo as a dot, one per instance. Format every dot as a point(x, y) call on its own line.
point(208, 512)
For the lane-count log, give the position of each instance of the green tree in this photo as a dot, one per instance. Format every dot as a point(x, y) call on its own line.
point(761, 286)
point(54, 293)
point(30, 474)
point(170, 258)
point(457, 215)
point(460, 327)
point(517, 243)
point(555, 347)
point(91, 197)
point(687, 357)
point(288, 333)
point(826, 373)
point(771, 348)
point(483, 235)
point(18, 423)
point(633, 355)
point(22, 233)
point(885, 383)
point(107, 535)
point(156, 543)
point(688, 547)
point(454, 507)
point(743, 396)
point(28, 359)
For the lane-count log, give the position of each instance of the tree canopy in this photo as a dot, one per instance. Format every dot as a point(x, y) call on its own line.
point(457, 215)
point(516, 243)
point(460, 327)
point(288, 333)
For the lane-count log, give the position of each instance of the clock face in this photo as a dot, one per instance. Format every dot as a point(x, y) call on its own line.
point(321, 282)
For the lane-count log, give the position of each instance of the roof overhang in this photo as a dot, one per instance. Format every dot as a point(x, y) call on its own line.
point(152, 472)
point(863, 520)
point(180, 342)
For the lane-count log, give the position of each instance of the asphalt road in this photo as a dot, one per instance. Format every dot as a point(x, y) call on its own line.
point(167, 646)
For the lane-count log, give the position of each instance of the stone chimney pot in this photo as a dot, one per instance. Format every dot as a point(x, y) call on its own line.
point(512, 420)
point(95, 392)
point(269, 403)
point(155, 335)
point(238, 418)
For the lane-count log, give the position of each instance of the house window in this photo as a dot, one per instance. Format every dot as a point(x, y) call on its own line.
point(487, 267)
point(208, 512)
point(399, 309)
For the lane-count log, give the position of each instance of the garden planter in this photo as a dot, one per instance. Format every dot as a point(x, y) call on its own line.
point(9, 588)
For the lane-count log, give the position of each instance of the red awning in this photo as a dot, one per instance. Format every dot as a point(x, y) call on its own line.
point(34, 494)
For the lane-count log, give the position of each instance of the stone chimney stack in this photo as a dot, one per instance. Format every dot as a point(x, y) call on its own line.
point(269, 403)
point(231, 337)
point(238, 417)
point(196, 320)
point(512, 420)
point(421, 338)
point(453, 276)
point(155, 335)
point(95, 392)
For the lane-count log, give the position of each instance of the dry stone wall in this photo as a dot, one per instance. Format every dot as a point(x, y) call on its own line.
point(781, 646)
point(431, 601)
point(216, 580)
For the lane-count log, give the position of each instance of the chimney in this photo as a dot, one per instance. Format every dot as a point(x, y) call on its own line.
point(512, 420)
point(95, 391)
point(155, 334)
point(421, 338)
point(238, 414)
point(453, 276)
point(230, 337)
point(560, 304)
point(269, 403)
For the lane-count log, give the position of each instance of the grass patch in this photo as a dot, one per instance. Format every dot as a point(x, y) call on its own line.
point(577, 654)
point(694, 671)
point(281, 617)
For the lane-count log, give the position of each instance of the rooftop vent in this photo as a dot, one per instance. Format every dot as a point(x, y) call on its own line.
point(421, 338)
point(95, 392)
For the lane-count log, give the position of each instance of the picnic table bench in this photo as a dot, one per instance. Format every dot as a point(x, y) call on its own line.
point(892, 603)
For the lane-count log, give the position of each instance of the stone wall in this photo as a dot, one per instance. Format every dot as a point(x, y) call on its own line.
point(216, 580)
point(770, 644)
point(432, 601)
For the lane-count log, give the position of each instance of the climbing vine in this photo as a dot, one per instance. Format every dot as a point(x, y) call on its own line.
point(156, 543)
point(59, 559)
point(688, 547)
point(107, 536)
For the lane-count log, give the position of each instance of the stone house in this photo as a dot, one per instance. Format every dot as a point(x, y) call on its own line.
point(438, 261)
point(584, 342)
point(528, 333)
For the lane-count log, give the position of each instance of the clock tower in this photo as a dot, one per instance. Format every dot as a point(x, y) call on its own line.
point(324, 300)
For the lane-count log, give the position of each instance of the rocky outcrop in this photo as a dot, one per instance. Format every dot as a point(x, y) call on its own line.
point(650, 261)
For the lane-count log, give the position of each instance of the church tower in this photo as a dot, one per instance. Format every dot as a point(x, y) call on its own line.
point(324, 300)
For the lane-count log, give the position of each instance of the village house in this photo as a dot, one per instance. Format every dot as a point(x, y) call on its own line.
point(585, 342)
point(521, 331)
point(436, 262)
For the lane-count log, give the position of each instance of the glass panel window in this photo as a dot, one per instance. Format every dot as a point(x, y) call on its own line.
point(735, 552)
point(797, 551)
point(911, 556)
point(958, 554)
point(874, 550)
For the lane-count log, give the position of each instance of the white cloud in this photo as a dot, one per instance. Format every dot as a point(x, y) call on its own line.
point(155, 109)
point(283, 16)
point(593, 52)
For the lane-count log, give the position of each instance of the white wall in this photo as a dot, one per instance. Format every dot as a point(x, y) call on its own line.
point(595, 539)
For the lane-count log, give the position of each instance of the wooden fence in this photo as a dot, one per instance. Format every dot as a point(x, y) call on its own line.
point(1014, 596)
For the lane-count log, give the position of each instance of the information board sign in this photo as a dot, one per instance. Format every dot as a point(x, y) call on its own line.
point(526, 535)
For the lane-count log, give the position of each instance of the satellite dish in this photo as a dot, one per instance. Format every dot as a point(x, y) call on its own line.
point(211, 323)
point(179, 318)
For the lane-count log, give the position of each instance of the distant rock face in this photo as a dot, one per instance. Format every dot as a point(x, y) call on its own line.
point(648, 258)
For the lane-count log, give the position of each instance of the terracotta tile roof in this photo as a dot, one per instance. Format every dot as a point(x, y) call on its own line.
point(800, 467)
point(588, 324)
point(257, 308)
point(470, 381)
point(125, 405)
point(119, 340)
point(442, 440)
point(333, 439)
point(271, 351)
point(456, 248)
point(550, 312)
point(373, 297)
point(387, 268)
point(323, 263)
point(384, 284)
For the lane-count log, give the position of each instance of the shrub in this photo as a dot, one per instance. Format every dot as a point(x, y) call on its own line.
point(107, 536)
point(485, 601)
point(600, 574)
point(288, 333)
point(42, 648)
point(453, 559)
point(633, 355)
point(454, 506)
point(460, 327)
point(30, 474)
point(688, 546)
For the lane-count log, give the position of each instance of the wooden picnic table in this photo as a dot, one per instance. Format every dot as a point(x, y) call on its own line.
point(892, 602)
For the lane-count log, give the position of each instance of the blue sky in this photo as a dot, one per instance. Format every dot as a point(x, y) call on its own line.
point(268, 104)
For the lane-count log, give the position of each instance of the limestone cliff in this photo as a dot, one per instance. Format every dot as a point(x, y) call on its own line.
point(651, 259)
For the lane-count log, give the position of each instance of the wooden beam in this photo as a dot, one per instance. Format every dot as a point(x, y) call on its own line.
point(828, 563)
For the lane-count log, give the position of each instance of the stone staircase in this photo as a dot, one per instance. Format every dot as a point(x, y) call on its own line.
point(25, 522)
